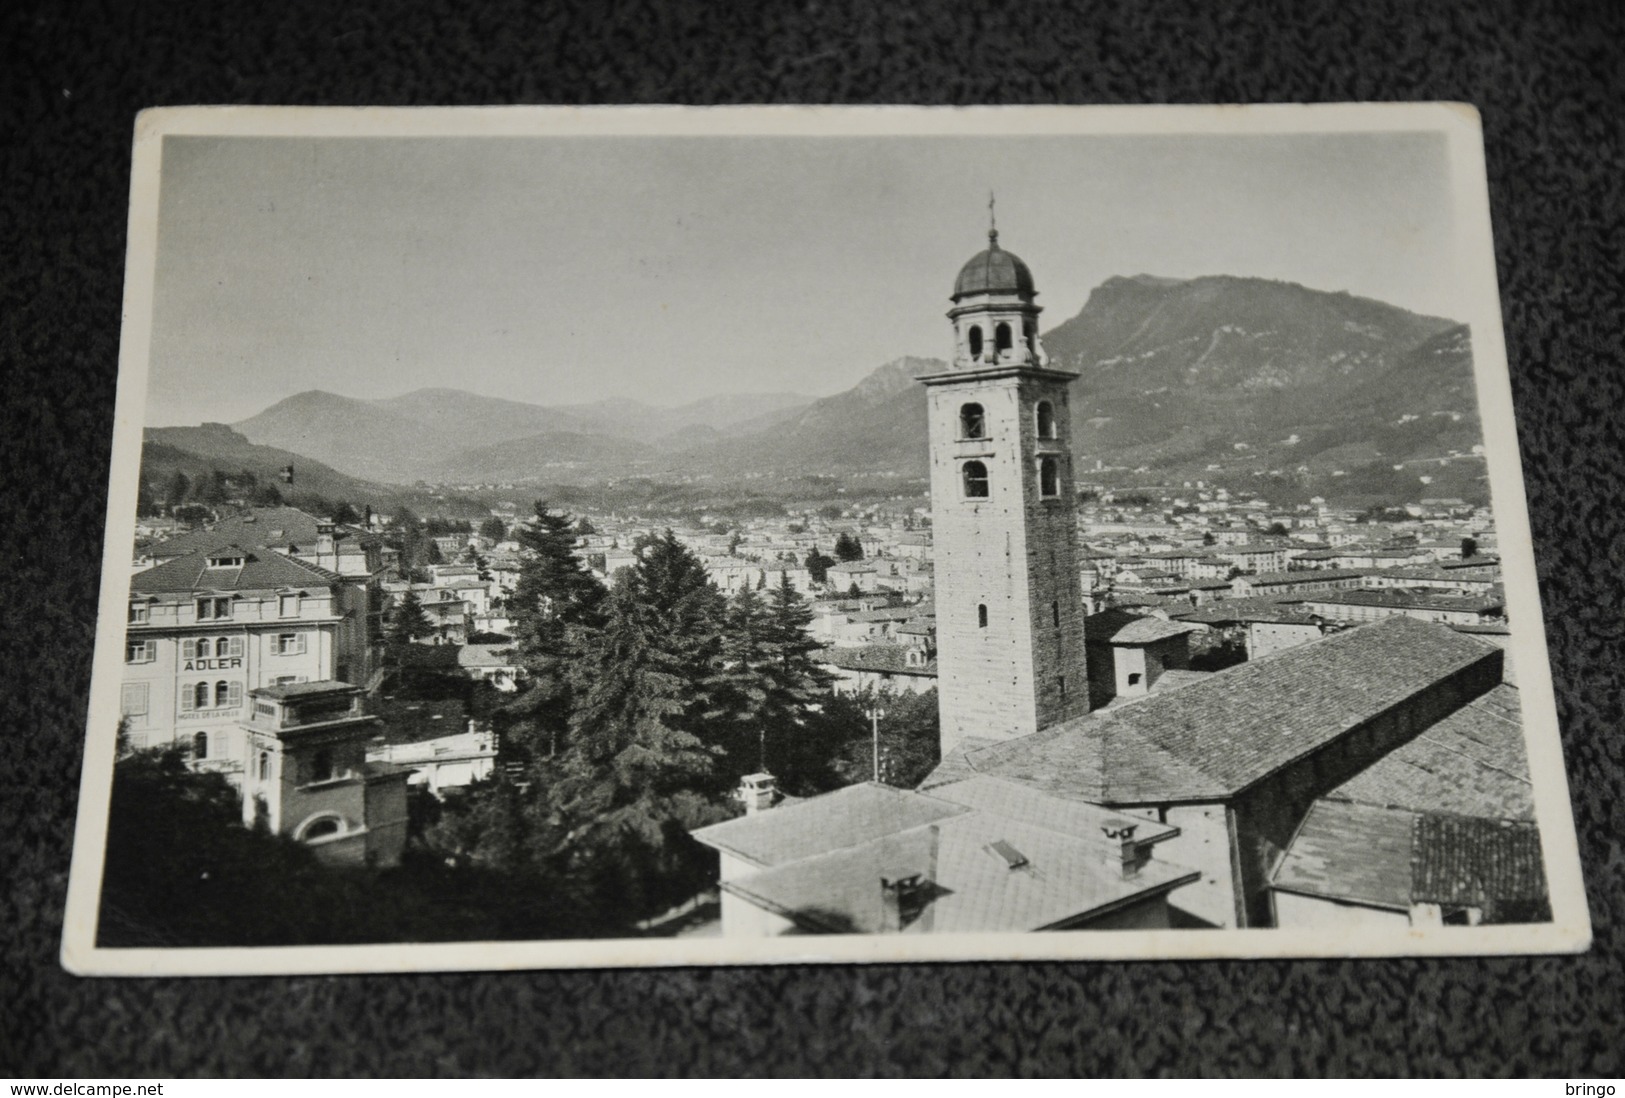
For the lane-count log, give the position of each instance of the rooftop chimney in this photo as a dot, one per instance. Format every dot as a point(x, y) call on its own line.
point(1126, 854)
point(900, 901)
point(758, 792)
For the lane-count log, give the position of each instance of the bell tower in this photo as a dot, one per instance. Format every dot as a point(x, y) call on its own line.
point(1010, 657)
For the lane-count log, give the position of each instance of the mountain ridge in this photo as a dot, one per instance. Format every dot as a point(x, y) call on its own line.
point(1217, 371)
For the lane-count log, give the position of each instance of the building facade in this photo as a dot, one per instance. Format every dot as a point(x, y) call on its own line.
point(308, 776)
point(206, 629)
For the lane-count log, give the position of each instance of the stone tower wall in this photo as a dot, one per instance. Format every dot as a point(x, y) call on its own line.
point(1014, 552)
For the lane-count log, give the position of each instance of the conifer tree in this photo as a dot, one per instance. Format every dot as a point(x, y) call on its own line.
point(740, 691)
point(818, 565)
point(556, 609)
point(407, 622)
point(635, 778)
point(797, 685)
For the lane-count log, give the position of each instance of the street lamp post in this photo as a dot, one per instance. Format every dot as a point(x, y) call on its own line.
point(875, 713)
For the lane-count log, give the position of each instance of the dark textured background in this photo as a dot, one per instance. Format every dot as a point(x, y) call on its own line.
point(1547, 79)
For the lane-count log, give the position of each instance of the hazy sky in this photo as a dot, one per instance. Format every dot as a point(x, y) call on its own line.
point(560, 270)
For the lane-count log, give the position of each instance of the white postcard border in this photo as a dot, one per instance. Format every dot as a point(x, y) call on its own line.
point(1570, 929)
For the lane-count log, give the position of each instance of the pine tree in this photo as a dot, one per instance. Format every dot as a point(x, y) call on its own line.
point(176, 490)
point(738, 716)
point(797, 684)
point(848, 548)
point(635, 780)
point(556, 608)
point(407, 622)
point(818, 566)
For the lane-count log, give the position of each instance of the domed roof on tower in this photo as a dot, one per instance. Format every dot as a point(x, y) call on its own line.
point(994, 271)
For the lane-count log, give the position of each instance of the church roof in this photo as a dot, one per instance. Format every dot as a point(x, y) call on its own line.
point(994, 271)
point(1215, 738)
point(1472, 763)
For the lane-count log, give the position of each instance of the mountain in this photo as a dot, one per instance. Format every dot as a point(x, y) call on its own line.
point(1181, 375)
point(196, 451)
point(552, 455)
point(362, 438)
point(438, 434)
point(672, 428)
point(1218, 376)
point(876, 426)
point(1225, 371)
point(469, 417)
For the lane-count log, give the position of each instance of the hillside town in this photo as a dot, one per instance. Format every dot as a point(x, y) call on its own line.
point(1174, 705)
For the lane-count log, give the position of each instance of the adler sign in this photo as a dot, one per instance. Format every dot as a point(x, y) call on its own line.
point(231, 663)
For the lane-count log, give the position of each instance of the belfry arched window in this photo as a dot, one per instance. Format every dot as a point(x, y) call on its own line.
point(973, 339)
point(975, 479)
point(1001, 337)
point(1049, 477)
point(972, 421)
point(1044, 415)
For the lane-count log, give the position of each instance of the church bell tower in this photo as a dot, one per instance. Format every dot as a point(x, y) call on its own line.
point(1010, 651)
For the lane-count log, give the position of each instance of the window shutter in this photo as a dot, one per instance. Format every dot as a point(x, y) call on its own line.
point(300, 643)
point(133, 701)
point(236, 694)
point(189, 650)
point(187, 699)
point(236, 646)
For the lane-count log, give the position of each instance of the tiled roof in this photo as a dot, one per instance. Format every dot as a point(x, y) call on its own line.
point(278, 527)
point(891, 659)
point(1121, 627)
point(1350, 852)
point(1471, 562)
point(263, 569)
point(1405, 600)
point(1460, 860)
point(847, 817)
point(1393, 857)
point(885, 613)
point(1176, 678)
point(955, 765)
point(1214, 738)
point(1266, 608)
point(1306, 575)
point(1471, 763)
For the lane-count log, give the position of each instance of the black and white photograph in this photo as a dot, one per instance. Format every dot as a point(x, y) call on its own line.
point(650, 536)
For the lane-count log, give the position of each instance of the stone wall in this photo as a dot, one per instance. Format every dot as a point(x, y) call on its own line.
point(1014, 552)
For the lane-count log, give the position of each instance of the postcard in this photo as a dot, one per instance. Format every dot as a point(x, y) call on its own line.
point(547, 537)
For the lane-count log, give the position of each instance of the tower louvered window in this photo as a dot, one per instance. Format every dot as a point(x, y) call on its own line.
point(975, 478)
